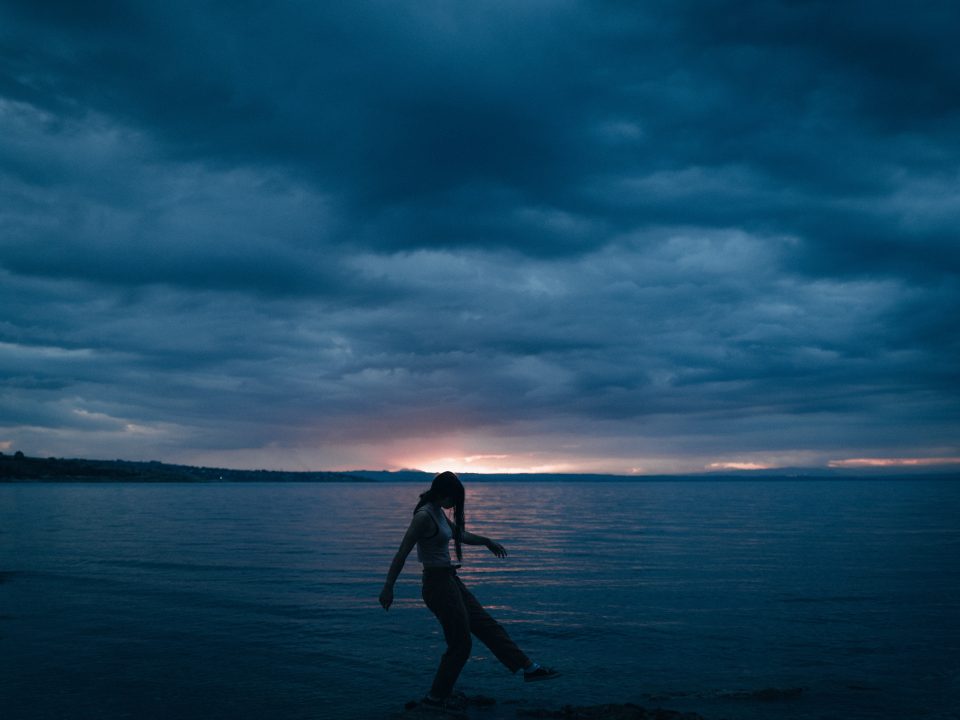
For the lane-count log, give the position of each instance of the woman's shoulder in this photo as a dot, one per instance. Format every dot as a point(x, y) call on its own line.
point(425, 518)
point(431, 511)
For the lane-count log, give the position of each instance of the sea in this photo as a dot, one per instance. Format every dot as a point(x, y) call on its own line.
point(736, 599)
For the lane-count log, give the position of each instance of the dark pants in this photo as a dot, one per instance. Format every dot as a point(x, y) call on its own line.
point(460, 614)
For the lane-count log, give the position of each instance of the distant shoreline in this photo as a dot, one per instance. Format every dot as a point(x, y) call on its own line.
point(21, 468)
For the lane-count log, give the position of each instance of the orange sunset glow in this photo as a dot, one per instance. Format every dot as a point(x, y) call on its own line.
point(739, 466)
point(490, 464)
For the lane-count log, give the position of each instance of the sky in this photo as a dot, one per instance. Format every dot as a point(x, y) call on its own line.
point(627, 237)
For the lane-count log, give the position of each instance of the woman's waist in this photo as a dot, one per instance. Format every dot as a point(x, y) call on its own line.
point(433, 570)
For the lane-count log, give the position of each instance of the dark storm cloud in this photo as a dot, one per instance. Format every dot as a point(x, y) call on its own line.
point(678, 228)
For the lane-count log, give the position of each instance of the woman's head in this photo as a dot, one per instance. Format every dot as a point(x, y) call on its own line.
point(447, 491)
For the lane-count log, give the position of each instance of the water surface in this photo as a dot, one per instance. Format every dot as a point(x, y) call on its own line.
point(260, 600)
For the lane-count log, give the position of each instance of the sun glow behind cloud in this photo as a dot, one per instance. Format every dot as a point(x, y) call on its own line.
point(568, 461)
point(484, 464)
point(739, 466)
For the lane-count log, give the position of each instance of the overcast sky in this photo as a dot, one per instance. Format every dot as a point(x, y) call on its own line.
point(608, 236)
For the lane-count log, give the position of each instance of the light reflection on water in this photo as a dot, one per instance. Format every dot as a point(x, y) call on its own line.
point(260, 600)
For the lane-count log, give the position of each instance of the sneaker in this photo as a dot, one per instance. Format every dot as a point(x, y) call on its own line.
point(541, 673)
point(447, 706)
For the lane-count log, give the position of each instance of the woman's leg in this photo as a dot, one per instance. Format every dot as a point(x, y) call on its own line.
point(491, 633)
point(441, 593)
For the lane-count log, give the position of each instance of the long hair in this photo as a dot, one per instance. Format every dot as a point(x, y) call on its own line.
point(447, 484)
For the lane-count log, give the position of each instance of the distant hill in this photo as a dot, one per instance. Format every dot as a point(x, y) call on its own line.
point(19, 467)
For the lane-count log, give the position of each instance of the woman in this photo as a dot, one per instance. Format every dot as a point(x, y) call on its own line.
point(444, 593)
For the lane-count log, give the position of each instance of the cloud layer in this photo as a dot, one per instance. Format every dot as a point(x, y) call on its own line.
point(548, 235)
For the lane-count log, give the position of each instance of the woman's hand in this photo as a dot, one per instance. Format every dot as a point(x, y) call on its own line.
point(386, 597)
point(496, 548)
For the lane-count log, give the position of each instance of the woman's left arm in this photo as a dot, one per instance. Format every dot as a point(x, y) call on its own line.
point(469, 538)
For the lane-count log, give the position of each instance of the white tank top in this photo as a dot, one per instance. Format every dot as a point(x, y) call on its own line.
point(434, 551)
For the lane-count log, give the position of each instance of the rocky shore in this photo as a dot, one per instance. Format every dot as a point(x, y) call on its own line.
point(481, 707)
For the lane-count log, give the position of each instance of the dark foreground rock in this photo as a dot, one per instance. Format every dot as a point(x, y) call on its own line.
point(610, 711)
point(765, 695)
point(481, 707)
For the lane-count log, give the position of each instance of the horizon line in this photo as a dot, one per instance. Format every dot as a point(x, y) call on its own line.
point(885, 467)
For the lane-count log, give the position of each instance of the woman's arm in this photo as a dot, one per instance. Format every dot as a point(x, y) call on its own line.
point(419, 526)
point(470, 539)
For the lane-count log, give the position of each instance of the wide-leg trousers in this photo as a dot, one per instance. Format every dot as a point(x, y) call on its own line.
point(460, 614)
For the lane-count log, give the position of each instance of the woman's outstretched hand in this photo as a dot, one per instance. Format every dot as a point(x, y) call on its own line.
point(496, 548)
point(386, 597)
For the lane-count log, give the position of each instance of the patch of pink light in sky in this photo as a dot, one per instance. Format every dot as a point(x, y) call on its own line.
point(893, 462)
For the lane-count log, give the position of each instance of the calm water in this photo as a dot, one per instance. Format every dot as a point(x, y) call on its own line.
point(260, 600)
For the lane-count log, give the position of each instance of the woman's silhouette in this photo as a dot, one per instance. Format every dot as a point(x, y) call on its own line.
point(445, 594)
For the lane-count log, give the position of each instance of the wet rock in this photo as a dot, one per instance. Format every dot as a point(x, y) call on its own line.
point(414, 710)
point(611, 711)
point(458, 706)
point(481, 707)
point(765, 694)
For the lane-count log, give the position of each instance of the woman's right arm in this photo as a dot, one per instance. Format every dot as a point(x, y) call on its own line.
point(419, 526)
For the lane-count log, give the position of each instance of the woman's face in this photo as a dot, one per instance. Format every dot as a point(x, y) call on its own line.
point(447, 503)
